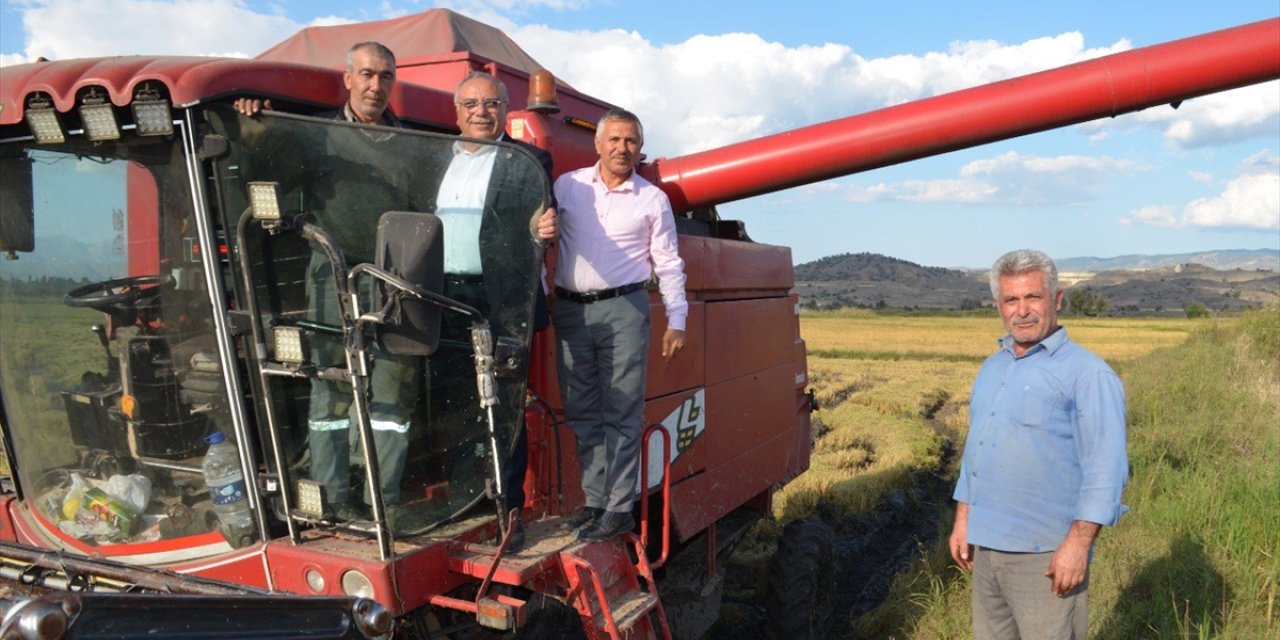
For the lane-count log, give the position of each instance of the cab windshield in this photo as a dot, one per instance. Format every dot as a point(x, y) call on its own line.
point(430, 434)
point(104, 309)
point(112, 380)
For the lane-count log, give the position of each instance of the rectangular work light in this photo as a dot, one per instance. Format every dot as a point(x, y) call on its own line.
point(43, 120)
point(98, 116)
point(265, 200)
point(310, 498)
point(288, 346)
point(151, 115)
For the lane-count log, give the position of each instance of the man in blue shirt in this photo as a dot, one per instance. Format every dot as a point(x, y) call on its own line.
point(1044, 464)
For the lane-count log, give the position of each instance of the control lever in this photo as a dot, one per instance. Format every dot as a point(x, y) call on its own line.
point(101, 330)
point(113, 365)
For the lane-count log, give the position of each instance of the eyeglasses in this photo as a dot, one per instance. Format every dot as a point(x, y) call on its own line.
point(492, 104)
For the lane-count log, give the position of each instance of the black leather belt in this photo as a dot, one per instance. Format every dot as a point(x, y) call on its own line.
point(464, 278)
point(597, 296)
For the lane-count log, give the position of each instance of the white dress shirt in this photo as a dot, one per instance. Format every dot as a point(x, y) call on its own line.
point(460, 206)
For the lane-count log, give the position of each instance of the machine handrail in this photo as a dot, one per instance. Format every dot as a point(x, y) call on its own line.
point(666, 492)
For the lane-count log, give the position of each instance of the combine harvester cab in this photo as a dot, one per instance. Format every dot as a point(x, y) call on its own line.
point(175, 270)
point(182, 279)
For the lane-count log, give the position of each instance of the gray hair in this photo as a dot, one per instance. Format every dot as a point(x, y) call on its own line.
point(1016, 263)
point(616, 113)
point(474, 75)
point(377, 48)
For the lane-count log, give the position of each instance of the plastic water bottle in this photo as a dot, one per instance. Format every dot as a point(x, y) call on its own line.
point(227, 490)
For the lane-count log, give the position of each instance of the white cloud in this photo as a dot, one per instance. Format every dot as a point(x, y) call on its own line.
point(926, 191)
point(389, 11)
point(1032, 180)
point(973, 63)
point(961, 191)
point(500, 13)
point(1263, 161)
point(712, 90)
point(328, 21)
point(1249, 201)
point(60, 29)
point(1200, 176)
point(1212, 120)
point(873, 193)
point(1224, 117)
point(473, 7)
point(1011, 178)
point(1014, 162)
point(1155, 216)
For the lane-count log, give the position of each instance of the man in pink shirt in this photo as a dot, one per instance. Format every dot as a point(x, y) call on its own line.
point(616, 230)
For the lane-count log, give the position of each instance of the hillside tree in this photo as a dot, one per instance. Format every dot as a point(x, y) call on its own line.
point(1086, 302)
point(1197, 310)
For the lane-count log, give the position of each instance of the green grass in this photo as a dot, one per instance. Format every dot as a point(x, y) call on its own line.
point(48, 346)
point(1198, 556)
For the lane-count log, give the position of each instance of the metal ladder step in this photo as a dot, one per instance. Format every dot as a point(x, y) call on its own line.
point(628, 608)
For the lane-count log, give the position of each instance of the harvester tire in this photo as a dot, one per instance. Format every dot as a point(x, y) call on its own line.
point(798, 594)
point(550, 619)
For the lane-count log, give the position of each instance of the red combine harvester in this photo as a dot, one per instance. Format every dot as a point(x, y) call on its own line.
point(160, 287)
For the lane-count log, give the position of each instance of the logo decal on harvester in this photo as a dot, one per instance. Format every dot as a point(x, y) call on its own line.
point(685, 425)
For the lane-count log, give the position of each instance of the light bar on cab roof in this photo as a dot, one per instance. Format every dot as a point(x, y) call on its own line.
point(43, 120)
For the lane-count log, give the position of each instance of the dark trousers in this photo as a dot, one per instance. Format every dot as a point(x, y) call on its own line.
point(602, 350)
point(394, 384)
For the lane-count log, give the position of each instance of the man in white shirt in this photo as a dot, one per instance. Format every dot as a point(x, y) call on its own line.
point(472, 193)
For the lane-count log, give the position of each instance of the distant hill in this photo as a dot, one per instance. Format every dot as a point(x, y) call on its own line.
point(1246, 259)
point(1171, 288)
point(873, 280)
point(64, 257)
point(877, 281)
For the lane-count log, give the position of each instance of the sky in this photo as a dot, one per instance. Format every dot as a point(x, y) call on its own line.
point(703, 74)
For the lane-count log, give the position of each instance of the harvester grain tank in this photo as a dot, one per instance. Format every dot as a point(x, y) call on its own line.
point(160, 248)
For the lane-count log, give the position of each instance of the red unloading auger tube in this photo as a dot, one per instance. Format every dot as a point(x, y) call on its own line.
point(1109, 86)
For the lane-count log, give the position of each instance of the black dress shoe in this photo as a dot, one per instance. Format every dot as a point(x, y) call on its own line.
point(585, 518)
point(516, 542)
point(348, 512)
point(611, 525)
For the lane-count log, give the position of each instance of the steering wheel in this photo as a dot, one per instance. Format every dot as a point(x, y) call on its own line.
point(109, 295)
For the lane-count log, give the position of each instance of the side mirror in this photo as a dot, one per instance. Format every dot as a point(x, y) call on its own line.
point(411, 246)
point(17, 208)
